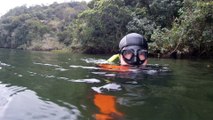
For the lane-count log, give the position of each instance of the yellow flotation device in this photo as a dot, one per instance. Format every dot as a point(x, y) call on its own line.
point(113, 58)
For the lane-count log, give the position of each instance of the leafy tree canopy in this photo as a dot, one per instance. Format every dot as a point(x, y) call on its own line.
point(172, 27)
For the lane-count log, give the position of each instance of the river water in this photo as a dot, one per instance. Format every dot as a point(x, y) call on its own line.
point(66, 86)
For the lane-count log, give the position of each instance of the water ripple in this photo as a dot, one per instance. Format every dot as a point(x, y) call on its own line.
point(6, 95)
point(46, 64)
point(61, 69)
point(95, 61)
point(17, 103)
point(84, 67)
point(91, 80)
point(107, 87)
point(4, 64)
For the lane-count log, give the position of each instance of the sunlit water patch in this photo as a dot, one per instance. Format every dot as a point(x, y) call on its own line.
point(17, 103)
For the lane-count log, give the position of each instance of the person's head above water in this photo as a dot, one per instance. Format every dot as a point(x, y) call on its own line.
point(133, 50)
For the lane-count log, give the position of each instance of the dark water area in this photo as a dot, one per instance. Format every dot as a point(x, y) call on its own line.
point(66, 86)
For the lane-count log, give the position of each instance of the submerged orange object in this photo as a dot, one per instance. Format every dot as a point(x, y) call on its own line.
point(110, 67)
point(107, 107)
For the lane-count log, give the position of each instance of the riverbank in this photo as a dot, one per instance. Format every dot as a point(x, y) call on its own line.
point(150, 54)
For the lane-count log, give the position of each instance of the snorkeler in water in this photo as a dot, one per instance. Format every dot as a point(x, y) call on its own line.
point(133, 50)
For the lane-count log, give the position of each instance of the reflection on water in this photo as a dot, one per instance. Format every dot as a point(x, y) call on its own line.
point(18, 103)
point(107, 107)
point(64, 86)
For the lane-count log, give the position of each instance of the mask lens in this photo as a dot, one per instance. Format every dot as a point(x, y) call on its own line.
point(128, 54)
point(142, 54)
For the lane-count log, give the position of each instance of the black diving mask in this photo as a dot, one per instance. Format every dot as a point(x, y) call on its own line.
point(134, 55)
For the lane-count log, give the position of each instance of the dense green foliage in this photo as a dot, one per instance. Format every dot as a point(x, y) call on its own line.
point(191, 33)
point(38, 27)
point(172, 27)
point(100, 28)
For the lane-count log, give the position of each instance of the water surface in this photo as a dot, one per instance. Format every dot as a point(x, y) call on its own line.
point(67, 86)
